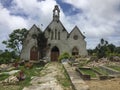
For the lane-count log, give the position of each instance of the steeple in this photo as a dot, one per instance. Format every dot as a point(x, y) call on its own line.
point(56, 13)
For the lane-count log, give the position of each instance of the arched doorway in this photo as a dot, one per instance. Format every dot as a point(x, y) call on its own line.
point(75, 51)
point(34, 53)
point(54, 54)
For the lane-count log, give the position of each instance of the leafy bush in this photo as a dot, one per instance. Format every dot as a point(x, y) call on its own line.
point(7, 56)
point(65, 55)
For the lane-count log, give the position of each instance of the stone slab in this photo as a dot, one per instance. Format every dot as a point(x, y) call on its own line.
point(76, 80)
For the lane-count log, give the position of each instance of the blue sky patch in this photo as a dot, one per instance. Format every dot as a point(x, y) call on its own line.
point(6, 3)
point(21, 14)
point(68, 9)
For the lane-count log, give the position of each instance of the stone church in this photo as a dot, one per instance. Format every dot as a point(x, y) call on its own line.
point(58, 39)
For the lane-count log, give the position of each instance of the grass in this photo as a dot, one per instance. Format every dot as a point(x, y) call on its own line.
point(83, 63)
point(28, 72)
point(64, 81)
point(88, 72)
point(115, 67)
point(100, 70)
point(3, 76)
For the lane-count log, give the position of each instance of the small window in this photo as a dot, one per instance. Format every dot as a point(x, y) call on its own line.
point(55, 34)
point(75, 37)
point(34, 36)
point(58, 35)
point(52, 35)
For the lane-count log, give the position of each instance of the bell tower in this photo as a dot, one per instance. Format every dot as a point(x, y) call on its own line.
point(56, 13)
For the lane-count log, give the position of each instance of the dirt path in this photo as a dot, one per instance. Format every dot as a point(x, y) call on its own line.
point(49, 79)
point(112, 84)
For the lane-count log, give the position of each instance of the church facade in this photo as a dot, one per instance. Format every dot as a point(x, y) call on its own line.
point(58, 40)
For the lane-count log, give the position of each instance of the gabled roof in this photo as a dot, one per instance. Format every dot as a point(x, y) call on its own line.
point(56, 21)
point(34, 26)
point(76, 28)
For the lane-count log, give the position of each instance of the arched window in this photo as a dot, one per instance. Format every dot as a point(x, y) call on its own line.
point(52, 34)
point(58, 35)
point(75, 51)
point(55, 34)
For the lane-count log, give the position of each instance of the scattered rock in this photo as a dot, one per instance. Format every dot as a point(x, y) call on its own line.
point(3, 66)
point(115, 58)
point(10, 80)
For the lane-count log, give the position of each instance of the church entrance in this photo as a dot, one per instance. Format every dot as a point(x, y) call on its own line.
point(34, 53)
point(54, 54)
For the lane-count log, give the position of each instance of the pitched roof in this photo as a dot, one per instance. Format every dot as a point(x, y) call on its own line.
point(76, 28)
point(34, 26)
point(55, 21)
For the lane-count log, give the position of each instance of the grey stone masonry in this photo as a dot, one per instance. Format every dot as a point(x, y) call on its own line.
point(57, 36)
point(77, 81)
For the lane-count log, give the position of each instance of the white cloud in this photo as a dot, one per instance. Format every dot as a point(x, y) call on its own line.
point(8, 23)
point(38, 12)
point(98, 19)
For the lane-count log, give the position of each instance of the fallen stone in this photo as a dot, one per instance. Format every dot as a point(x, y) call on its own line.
point(11, 72)
point(3, 67)
point(10, 80)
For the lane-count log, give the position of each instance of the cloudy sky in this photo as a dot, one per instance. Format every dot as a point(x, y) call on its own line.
point(95, 18)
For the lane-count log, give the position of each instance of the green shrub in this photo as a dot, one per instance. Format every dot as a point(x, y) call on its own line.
point(7, 56)
point(65, 55)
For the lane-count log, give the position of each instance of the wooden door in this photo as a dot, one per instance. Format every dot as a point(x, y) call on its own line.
point(34, 54)
point(54, 56)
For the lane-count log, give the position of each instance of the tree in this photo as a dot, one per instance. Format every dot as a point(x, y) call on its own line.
point(117, 50)
point(15, 40)
point(111, 48)
point(102, 41)
point(102, 48)
point(42, 43)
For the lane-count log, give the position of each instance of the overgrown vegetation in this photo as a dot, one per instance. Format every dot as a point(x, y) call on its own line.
point(15, 40)
point(104, 49)
point(34, 71)
point(64, 81)
point(29, 73)
point(3, 76)
point(102, 72)
point(42, 43)
point(65, 55)
point(115, 67)
point(13, 45)
point(8, 56)
point(88, 72)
